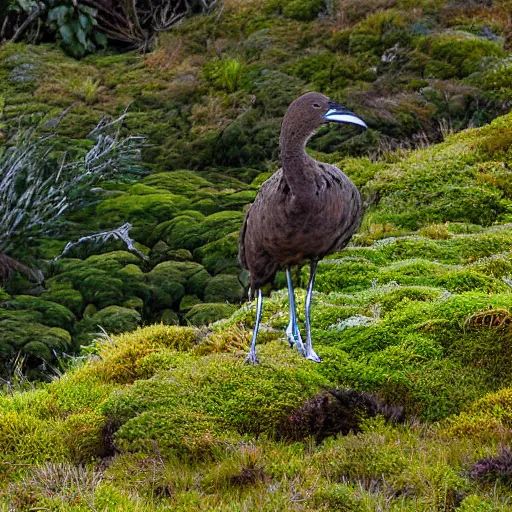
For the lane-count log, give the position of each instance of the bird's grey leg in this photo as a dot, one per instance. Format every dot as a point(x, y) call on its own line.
point(251, 357)
point(292, 331)
point(310, 353)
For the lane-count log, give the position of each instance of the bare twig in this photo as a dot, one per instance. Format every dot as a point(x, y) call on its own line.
point(33, 15)
point(37, 187)
point(120, 233)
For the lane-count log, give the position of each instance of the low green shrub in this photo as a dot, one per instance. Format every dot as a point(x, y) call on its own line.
point(224, 288)
point(197, 284)
point(462, 51)
point(67, 297)
point(53, 314)
point(117, 319)
point(204, 314)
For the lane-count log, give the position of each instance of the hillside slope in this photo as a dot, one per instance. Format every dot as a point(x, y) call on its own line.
point(210, 99)
point(170, 417)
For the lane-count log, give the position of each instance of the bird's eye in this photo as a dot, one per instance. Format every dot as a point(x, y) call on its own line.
point(316, 105)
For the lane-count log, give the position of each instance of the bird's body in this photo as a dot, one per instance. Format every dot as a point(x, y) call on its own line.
point(282, 229)
point(303, 212)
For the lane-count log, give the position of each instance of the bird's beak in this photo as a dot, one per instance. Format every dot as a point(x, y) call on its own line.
point(339, 114)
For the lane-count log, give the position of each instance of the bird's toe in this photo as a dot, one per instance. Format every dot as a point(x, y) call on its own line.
point(290, 338)
point(252, 359)
point(313, 357)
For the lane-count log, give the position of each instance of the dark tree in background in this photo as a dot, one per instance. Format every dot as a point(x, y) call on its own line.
point(84, 25)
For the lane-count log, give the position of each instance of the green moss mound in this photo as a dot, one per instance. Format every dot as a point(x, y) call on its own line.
point(278, 386)
point(52, 314)
point(67, 297)
point(201, 314)
point(224, 288)
point(115, 319)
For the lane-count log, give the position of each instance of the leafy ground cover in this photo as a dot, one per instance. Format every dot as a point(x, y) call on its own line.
point(410, 409)
point(209, 99)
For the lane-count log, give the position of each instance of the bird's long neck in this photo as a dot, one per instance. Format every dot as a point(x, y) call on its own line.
point(297, 165)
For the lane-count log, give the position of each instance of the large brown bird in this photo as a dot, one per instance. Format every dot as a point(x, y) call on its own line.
point(303, 212)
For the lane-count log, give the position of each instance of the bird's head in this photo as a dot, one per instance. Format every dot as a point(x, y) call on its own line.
point(313, 109)
point(308, 112)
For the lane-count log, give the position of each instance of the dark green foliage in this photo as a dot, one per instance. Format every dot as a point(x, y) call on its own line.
point(169, 317)
point(218, 255)
point(198, 282)
point(53, 314)
point(181, 232)
point(204, 314)
point(168, 280)
point(274, 90)
point(329, 71)
point(188, 302)
point(22, 332)
point(303, 10)
point(115, 319)
point(179, 271)
point(166, 295)
point(68, 297)
point(100, 282)
point(219, 224)
point(75, 26)
point(224, 288)
point(379, 31)
point(458, 54)
point(188, 232)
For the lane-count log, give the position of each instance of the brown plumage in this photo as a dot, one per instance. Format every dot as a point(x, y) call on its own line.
point(307, 209)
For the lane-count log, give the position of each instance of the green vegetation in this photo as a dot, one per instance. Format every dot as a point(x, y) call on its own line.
point(123, 378)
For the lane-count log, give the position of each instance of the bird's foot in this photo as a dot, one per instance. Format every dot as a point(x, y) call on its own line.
point(251, 358)
point(312, 356)
point(294, 338)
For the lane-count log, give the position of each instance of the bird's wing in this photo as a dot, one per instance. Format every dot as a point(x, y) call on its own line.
point(349, 196)
point(241, 242)
point(256, 206)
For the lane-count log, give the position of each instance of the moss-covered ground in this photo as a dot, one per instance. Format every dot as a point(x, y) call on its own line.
point(210, 98)
point(418, 311)
point(411, 408)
